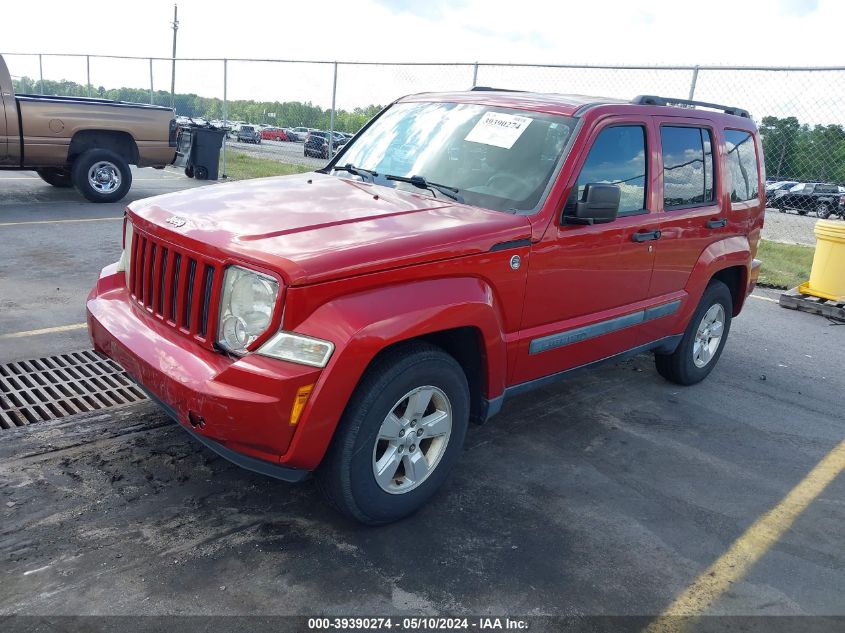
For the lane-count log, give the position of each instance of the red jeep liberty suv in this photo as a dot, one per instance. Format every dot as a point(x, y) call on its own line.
point(463, 248)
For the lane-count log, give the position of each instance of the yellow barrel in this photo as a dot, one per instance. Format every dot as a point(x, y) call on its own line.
point(827, 277)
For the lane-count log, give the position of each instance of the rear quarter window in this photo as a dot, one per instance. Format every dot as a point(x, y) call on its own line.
point(742, 165)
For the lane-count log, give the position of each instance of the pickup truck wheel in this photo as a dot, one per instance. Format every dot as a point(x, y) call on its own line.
point(56, 176)
point(101, 175)
point(823, 211)
point(399, 437)
point(703, 341)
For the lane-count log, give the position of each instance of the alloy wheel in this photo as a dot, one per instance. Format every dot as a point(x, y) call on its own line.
point(412, 439)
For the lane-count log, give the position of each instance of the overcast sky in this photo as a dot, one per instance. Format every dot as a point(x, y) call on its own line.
point(735, 32)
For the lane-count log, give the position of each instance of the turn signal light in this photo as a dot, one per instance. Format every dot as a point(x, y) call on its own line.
point(299, 402)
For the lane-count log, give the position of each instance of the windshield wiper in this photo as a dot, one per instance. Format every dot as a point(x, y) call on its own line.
point(422, 183)
point(367, 174)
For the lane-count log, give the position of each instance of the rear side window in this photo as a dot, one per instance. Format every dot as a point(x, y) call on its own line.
point(742, 164)
point(687, 166)
point(618, 157)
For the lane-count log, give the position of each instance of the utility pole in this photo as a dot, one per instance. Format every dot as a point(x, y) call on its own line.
point(175, 25)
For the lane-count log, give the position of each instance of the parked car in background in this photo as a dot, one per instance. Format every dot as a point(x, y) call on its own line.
point(351, 322)
point(840, 209)
point(818, 197)
point(317, 144)
point(298, 133)
point(774, 187)
point(82, 142)
point(341, 138)
point(248, 134)
point(274, 134)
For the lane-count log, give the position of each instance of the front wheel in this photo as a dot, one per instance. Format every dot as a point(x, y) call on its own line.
point(400, 435)
point(56, 176)
point(101, 175)
point(703, 341)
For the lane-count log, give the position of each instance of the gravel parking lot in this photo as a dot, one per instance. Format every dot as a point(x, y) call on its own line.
point(790, 228)
point(282, 151)
point(609, 494)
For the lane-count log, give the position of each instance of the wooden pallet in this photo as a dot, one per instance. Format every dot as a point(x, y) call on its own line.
point(794, 300)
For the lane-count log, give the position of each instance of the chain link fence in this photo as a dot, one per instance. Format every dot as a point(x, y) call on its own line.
point(798, 110)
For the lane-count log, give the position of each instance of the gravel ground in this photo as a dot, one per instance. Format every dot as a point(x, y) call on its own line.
point(277, 150)
point(789, 228)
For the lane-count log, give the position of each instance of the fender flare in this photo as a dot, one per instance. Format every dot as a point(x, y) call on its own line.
point(727, 253)
point(363, 324)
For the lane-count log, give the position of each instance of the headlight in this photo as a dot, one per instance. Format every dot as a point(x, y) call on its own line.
point(246, 308)
point(298, 349)
point(125, 262)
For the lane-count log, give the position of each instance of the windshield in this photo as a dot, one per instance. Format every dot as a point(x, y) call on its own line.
point(498, 158)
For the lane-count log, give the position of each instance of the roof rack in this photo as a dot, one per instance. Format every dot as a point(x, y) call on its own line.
point(489, 89)
point(665, 101)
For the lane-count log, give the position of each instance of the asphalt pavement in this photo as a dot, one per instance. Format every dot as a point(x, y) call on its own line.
point(53, 244)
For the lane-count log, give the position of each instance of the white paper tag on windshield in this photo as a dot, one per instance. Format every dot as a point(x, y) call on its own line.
point(499, 129)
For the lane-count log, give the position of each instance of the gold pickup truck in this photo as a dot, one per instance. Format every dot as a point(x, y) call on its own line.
point(82, 142)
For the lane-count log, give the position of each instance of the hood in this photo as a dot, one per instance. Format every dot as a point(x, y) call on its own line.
point(314, 227)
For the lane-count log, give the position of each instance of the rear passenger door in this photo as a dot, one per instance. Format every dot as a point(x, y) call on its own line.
point(691, 217)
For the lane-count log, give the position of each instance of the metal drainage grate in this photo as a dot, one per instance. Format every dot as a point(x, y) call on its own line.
point(57, 386)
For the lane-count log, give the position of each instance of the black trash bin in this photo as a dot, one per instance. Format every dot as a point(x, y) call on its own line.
point(198, 151)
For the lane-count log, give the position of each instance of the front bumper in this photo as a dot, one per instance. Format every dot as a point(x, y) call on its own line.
point(238, 407)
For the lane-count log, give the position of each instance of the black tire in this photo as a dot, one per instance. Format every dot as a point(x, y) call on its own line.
point(823, 211)
point(679, 367)
point(346, 476)
point(86, 161)
point(56, 176)
point(201, 173)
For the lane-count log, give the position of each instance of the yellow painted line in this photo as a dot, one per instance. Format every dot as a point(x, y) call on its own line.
point(735, 563)
point(46, 330)
point(769, 299)
point(59, 221)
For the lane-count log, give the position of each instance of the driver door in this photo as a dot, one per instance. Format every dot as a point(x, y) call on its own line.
point(586, 284)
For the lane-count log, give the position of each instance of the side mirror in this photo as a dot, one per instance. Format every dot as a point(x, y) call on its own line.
point(599, 205)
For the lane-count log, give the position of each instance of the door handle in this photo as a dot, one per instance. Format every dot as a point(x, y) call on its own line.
point(717, 224)
point(646, 236)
